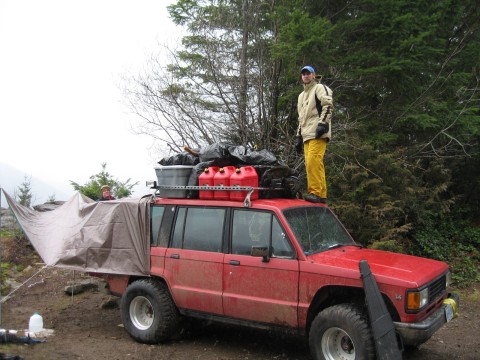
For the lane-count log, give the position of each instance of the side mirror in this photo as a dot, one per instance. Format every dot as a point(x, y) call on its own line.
point(262, 251)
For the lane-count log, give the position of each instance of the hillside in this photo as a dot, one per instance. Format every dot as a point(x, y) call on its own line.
point(11, 178)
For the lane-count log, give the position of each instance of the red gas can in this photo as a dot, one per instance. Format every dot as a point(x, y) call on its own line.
point(207, 179)
point(222, 178)
point(244, 176)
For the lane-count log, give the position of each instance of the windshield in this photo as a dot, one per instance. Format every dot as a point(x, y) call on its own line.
point(317, 229)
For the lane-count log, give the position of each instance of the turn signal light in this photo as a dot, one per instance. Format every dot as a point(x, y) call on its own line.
point(417, 299)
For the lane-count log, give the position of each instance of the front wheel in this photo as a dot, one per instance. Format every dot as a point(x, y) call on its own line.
point(148, 312)
point(341, 332)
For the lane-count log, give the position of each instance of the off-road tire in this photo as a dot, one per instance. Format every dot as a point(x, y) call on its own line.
point(148, 312)
point(341, 332)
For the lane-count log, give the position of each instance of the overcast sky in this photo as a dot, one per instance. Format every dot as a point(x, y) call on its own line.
point(61, 111)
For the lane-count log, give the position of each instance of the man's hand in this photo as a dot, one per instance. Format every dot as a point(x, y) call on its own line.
point(322, 128)
point(299, 145)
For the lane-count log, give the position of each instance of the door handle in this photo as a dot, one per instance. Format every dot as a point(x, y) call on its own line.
point(234, 262)
point(175, 256)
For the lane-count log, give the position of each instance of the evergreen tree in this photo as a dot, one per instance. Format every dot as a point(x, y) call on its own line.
point(405, 78)
point(24, 192)
point(92, 188)
point(223, 84)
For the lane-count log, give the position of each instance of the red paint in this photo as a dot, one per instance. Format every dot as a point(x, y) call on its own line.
point(117, 283)
point(259, 291)
point(286, 291)
point(207, 179)
point(244, 176)
point(195, 279)
point(222, 178)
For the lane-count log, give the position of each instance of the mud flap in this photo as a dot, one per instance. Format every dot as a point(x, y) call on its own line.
point(384, 336)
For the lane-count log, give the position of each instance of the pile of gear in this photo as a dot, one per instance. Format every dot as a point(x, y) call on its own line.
point(282, 181)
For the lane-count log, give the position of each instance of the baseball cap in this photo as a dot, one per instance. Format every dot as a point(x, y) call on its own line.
point(308, 68)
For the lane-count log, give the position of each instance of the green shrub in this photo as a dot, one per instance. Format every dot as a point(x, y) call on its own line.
point(388, 245)
point(453, 240)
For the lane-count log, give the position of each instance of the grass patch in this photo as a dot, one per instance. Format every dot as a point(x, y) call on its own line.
point(466, 294)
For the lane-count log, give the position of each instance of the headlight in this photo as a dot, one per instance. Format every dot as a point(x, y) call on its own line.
point(417, 299)
point(448, 280)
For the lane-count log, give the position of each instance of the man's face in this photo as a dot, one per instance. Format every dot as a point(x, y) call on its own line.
point(307, 76)
point(105, 193)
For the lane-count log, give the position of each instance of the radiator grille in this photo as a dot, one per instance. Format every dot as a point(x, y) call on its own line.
point(436, 288)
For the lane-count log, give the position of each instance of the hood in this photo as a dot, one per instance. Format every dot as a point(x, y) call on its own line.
point(387, 267)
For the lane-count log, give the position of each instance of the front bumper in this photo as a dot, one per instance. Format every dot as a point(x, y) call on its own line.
point(414, 334)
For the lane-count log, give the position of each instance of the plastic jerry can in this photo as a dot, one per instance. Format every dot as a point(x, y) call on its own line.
point(244, 176)
point(222, 178)
point(35, 323)
point(207, 179)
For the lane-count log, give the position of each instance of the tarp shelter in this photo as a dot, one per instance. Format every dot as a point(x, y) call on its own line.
point(111, 237)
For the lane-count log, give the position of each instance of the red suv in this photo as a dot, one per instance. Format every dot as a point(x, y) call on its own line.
point(279, 263)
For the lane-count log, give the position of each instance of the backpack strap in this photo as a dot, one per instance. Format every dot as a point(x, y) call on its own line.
point(318, 103)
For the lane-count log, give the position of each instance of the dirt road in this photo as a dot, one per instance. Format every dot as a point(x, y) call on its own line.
point(85, 330)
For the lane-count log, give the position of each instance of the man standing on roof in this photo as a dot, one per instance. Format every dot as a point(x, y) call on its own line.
point(315, 108)
point(106, 193)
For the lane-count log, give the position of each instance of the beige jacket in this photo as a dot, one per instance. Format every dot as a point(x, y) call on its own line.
point(308, 114)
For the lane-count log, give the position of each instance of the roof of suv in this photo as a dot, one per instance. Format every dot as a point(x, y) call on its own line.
point(277, 203)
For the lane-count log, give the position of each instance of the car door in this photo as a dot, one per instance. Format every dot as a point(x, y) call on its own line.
point(194, 259)
point(255, 289)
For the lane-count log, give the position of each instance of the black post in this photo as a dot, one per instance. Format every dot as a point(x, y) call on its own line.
point(384, 336)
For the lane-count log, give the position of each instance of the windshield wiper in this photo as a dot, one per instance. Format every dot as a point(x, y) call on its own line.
point(334, 246)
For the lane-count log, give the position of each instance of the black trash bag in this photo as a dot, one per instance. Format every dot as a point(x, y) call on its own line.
point(239, 154)
point(293, 187)
point(248, 156)
point(282, 181)
point(261, 170)
point(216, 151)
point(262, 157)
point(183, 158)
point(224, 154)
point(266, 173)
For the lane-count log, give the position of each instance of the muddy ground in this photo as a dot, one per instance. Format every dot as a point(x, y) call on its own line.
point(83, 329)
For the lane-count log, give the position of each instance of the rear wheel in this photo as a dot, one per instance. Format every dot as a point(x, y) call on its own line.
point(341, 332)
point(148, 312)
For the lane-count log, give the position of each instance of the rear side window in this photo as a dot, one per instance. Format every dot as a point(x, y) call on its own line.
point(258, 228)
point(199, 229)
point(155, 221)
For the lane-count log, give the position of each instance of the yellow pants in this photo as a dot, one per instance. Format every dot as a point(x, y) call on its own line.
point(314, 151)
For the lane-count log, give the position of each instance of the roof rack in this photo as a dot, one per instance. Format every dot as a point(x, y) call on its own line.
point(246, 203)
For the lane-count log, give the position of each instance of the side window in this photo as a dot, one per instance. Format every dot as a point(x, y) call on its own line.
point(259, 228)
point(199, 229)
point(241, 240)
point(156, 215)
point(256, 228)
point(177, 239)
point(282, 248)
point(166, 226)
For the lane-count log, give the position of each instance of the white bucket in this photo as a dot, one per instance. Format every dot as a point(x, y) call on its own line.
point(36, 323)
